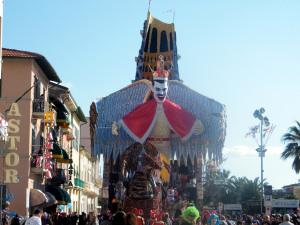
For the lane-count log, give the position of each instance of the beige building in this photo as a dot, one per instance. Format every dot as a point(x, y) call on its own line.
point(70, 141)
point(23, 100)
point(89, 174)
point(42, 151)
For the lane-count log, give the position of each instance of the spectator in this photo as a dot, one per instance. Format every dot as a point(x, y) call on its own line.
point(286, 220)
point(119, 218)
point(82, 219)
point(190, 215)
point(4, 215)
point(36, 218)
point(166, 219)
point(131, 219)
point(15, 220)
point(46, 219)
point(92, 219)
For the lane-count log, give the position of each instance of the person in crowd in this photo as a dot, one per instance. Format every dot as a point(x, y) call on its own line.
point(82, 219)
point(213, 220)
point(4, 213)
point(119, 218)
point(46, 219)
point(248, 220)
point(223, 220)
point(166, 218)
point(286, 220)
point(15, 220)
point(105, 219)
point(266, 220)
point(190, 216)
point(36, 218)
point(131, 219)
point(92, 219)
point(74, 218)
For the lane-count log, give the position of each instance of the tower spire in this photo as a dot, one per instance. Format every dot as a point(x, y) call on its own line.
point(159, 38)
point(149, 4)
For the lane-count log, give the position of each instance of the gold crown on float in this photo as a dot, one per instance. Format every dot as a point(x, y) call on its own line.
point(160, 73)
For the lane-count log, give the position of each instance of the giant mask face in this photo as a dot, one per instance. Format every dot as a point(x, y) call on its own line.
point(160, 90)
point(160, 81)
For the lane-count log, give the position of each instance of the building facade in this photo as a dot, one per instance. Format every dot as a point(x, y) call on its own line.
point(89, 173)
point(42, 150)
point(24, 90)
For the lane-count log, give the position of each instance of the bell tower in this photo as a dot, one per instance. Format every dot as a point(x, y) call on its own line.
point(159, 38)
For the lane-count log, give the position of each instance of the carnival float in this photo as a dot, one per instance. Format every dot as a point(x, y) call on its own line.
point(156, 135)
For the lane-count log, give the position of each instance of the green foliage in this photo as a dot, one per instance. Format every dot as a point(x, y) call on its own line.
point(219, 186)
point(292, 148)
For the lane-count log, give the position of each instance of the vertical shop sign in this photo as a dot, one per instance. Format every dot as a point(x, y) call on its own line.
point(12, 158)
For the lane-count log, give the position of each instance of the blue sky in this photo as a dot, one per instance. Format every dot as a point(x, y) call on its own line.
point(244, 54)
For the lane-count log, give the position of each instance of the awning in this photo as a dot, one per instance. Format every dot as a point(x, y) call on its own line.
point(62, 197)
point(60, 154)
point(51, 200)
point(37, 197)
point(59, 177)
point(65, 158)
point(58, 104)
point(56, 152)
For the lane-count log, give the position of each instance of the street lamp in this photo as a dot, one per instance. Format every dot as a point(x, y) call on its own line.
point(264, 122)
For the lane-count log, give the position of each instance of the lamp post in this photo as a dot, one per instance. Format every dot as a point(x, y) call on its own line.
point(264, 122)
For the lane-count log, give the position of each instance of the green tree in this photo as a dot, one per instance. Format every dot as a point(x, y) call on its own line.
point(292, 148)
point(219, 186)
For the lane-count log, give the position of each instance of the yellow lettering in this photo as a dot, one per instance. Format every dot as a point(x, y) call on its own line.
point(12, 159)
point(14, 110)
point(13, 126)
point(11, 176)
point(12, 140)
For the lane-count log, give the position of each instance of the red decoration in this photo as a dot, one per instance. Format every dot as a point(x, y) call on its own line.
point(139, 123)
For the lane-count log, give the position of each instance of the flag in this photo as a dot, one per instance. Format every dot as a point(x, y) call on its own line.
point(252, 131)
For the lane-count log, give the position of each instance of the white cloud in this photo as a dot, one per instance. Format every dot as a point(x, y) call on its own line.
point(244, 151)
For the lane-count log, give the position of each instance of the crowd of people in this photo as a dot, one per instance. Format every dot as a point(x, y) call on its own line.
point(187, 215)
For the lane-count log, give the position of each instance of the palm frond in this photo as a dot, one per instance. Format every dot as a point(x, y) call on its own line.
point(296, 164)
point(295, 130)
point(291, 150)
point(288, 137)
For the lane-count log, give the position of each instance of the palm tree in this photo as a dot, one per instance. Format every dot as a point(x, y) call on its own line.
point(292, 148)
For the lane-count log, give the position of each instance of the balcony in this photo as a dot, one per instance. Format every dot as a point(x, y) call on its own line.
point(90, 190)
point(69, 133)
point(38, 108)
point(78, 182)
point(63, 119)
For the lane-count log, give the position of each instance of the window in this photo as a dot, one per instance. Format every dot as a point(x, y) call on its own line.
point(163, 42)
point(153, 44)
point(75, 142)
point(37, 88)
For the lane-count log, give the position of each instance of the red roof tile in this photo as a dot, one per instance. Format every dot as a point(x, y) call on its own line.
point(18, 53)
point(41, 61)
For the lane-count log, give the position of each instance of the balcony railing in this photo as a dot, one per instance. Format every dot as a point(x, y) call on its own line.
point(78, 182)
point(38, 105)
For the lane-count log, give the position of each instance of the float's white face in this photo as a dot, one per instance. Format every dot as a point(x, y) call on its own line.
point(160, 91)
